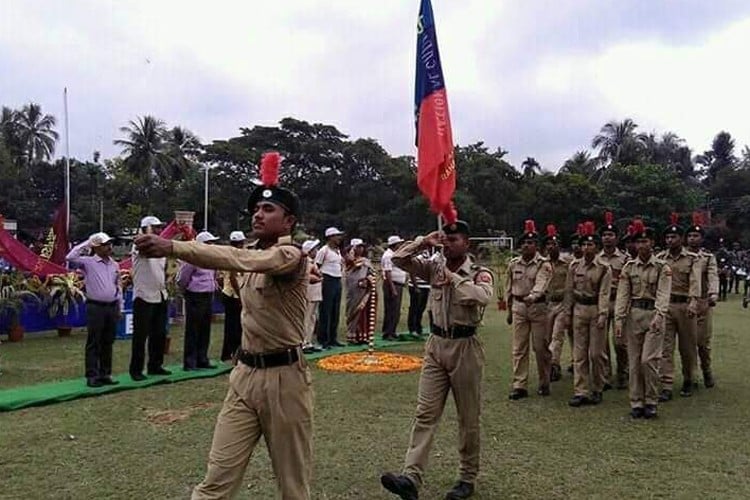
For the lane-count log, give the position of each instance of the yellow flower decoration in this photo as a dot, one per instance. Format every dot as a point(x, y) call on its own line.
point(377, 362)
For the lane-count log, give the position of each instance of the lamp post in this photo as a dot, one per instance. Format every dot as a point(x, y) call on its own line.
point(205, 200)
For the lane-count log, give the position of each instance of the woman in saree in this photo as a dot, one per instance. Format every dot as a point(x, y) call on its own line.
point(360, 293)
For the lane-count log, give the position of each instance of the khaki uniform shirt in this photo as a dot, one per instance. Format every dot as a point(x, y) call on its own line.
point(527, 278)
point(650, 280)
point(686, 275)
point(458, 297)
point(556, 288)
point(275, 289)
point(228, 289)
point(589, 280)
point(709, 271)
point(616, 261)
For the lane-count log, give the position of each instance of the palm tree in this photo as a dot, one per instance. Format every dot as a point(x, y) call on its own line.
point(35, 132)
point(617, 142)
point(145, 149)
point(183, 148)
point(581, 163)
point(720, 157)
point(530, 167)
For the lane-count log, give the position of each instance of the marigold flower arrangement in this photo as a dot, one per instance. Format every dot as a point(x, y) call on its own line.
point(376, 362)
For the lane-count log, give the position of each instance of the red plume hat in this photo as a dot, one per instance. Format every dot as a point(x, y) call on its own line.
point(269, 189)
point(551, 233)
point(698, 223)
point(674, 225)
point(609, 223)
point(529, 231)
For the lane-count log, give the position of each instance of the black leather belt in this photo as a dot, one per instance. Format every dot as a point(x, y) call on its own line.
point(101, 303)
point(646, 304)
point(678, 299)
point(269, 359)
point(587, 301)
point(555, 298)
point(455, 331)
point(538, 300)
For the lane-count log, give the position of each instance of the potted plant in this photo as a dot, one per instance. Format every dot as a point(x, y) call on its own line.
point(12, 297)
point(64, 291)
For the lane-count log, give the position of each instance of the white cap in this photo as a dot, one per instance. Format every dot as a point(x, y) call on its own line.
point(355, 242)
point(392, 240)
point(150, 220)
point(97, 239)
point(237, 236)
point(333, 231)
point(205, 236)
point(308, 246)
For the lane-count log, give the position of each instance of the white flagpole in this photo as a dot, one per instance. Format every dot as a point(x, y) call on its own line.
point(205, 202)
point(67, 164)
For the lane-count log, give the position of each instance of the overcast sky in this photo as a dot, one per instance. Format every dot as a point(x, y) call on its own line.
point(538, 78)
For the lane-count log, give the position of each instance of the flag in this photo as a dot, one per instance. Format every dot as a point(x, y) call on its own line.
point(436, 168)
point(58, 236)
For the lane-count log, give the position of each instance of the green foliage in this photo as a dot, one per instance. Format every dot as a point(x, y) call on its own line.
point(63, 293)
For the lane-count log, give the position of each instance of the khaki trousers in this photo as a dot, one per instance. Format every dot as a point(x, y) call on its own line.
point(276, 403)
point(530, 324)
point(589, 351)
point(557, 324)
point(644, 355)
point(620, 348)
point(704, 330)
point(680, 327)
point(311, 318)
point(453, 365)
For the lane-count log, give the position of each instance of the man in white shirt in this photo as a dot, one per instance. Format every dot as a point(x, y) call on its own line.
point(394, 279)
point(331, 267)
point(149, 308)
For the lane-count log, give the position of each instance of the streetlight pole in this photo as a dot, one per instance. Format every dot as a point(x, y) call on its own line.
point(205, 202)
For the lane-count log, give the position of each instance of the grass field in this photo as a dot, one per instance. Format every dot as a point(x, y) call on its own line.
point(152, 443)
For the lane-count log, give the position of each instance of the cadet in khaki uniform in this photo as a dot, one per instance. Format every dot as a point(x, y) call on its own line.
point(709, 296)
point(683, 308)
point(587, 291)
point(525, 292)
point(453, 359)
point(640, 311)
point(616, 259)
point(558, 317)
point(270, 393)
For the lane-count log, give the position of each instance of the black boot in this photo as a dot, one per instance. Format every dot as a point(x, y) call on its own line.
point(543, 390)
point(666, 395)
point(649, 411)
point(399, 485)
point(687, 389)
point(577, 401)
point(596, 398)
point(636, 412)
point(708, 379)
point(556, 373)
point(460, 490)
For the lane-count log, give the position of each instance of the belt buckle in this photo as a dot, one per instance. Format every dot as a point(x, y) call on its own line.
point(450, 333)
point(289, 356)
point(261, 361)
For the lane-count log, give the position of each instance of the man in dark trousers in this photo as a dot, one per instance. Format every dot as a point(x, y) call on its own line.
point(331, 265)
point(394, 279)
point(230, 295)
point(103, 305)
point(149, 308)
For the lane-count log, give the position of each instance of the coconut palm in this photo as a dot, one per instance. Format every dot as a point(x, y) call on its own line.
point(183, 148)
point(35, 132)
point(581, 163)
point(617, 142)
point(145, 149)
point(530, 167)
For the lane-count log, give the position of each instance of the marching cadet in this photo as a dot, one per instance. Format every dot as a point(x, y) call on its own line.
point(270, 393)
point(558, 318)
point(453, 359)
point(616, 259)
point(525, 292)
point(640, 311)
point(587, 289)
point(683, 308)
point(631, 252)
point(709, 296)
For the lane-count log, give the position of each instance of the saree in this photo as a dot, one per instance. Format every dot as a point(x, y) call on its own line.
point(360, 300)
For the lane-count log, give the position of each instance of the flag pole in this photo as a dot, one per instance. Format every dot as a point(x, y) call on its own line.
point(67, 163)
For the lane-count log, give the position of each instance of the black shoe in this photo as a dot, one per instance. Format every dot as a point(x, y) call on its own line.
point(577, 401)
point(687, 389)
point(108, 381)
point(596, 398)
point(607, 387)
point(708, 380)
point(92, 382)
point(337, 344)
point(570, 369)
point(543, 391)
point(666, 395)
point(207, 367)
point(516, 394)
point(460, 490)
point(159, 371)
point(399, 485)
point(137, 376)
point(636, 412)
point(649, 411)
point(555, 374)
point(188, 368)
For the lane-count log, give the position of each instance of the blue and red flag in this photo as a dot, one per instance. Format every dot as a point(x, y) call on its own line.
point(436, 168)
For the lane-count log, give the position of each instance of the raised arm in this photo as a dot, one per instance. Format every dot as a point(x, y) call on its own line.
point(470, 292)
point(407, 258)
point(277, 260)
point(74, 256)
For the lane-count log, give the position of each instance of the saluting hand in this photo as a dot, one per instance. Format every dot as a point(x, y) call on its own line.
point(150, 245)
point(434, 239)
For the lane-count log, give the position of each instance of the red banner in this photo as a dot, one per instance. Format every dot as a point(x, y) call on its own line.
point(57, 239)
point(24, 259)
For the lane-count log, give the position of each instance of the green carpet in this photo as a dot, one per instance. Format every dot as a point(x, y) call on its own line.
point(67, 390)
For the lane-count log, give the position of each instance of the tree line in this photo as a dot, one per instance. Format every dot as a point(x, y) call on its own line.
point(357, 185)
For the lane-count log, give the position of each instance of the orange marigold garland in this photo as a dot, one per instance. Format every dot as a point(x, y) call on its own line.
point(354, 362)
